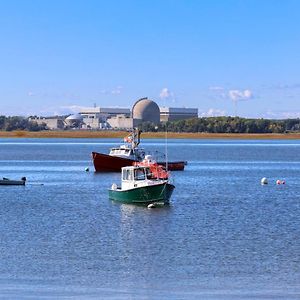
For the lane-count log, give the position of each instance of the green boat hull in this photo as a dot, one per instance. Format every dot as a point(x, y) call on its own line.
point(143, 195)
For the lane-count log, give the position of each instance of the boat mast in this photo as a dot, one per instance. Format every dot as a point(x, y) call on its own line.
point(135, 138)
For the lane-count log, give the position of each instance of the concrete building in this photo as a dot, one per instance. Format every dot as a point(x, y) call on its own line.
point(96, 117)
point(120, 122)
point(145, 110)
point(173, 113)
point(52, 123)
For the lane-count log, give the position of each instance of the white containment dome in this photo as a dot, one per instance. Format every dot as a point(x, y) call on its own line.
point(73, 120)
point(74, 117)
point(146, 110)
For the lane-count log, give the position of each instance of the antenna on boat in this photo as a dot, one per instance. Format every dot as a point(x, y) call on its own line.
point(166, 146)
point(166, 137)
point(138, 136)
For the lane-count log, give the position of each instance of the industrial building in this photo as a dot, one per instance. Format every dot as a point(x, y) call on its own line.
point(51, 122)
point(174, 113)
point(143, 110)
point(120, 122)
point(96, 117)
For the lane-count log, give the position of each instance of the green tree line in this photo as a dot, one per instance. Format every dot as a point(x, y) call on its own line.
point(19, 123)
point(209, 125)
point(226, 125)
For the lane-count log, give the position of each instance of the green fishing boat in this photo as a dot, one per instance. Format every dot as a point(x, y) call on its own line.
point(143, 184)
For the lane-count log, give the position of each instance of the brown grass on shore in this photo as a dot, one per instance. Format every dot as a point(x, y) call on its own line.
point(238, 136)
point(146, 135)
point(63, 134)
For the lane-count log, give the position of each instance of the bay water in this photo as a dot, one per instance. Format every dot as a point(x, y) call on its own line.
point(224, 235)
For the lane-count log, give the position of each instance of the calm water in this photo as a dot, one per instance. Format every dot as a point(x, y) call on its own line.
point(224, 236)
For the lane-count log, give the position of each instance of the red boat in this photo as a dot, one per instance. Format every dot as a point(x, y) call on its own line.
point(127, 155)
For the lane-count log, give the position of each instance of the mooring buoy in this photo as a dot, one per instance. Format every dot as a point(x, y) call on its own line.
point(151, 205)
point(264, 181)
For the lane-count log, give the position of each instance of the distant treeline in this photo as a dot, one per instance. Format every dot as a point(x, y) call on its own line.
point(209, 125)
point(227, 125)
point(19, 123)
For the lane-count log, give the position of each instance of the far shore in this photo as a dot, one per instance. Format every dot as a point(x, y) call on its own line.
point(146, 135)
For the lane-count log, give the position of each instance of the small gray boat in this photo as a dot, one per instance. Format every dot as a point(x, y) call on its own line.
point(6, 181)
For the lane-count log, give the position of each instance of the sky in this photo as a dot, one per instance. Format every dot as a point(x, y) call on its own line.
point(224, 57)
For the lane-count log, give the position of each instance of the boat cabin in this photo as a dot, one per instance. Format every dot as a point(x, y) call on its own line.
point(127, 152)
point(121, 151)
point(135, 176)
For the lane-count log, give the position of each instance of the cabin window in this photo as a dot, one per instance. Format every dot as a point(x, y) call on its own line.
point(127, 175)
point(139, 174)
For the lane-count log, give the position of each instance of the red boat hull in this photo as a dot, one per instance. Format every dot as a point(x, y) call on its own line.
point(107, 163)
point(174, 165)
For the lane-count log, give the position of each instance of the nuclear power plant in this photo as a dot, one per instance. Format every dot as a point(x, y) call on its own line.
point(97, 118)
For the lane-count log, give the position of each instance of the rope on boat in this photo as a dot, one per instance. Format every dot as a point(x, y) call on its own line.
point(163, 190)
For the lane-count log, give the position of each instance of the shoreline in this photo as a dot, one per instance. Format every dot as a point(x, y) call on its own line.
point(147, 135)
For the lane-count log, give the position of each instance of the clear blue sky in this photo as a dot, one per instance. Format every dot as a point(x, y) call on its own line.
point(223, 57)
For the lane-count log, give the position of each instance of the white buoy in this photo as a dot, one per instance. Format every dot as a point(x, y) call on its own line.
point(151, 205)
point(87, 169)
point(264, 181)
point(156, 205)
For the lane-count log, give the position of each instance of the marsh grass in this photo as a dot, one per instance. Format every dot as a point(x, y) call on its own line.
point(145, 135)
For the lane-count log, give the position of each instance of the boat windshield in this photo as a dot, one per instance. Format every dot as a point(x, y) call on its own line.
point(139, 174)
